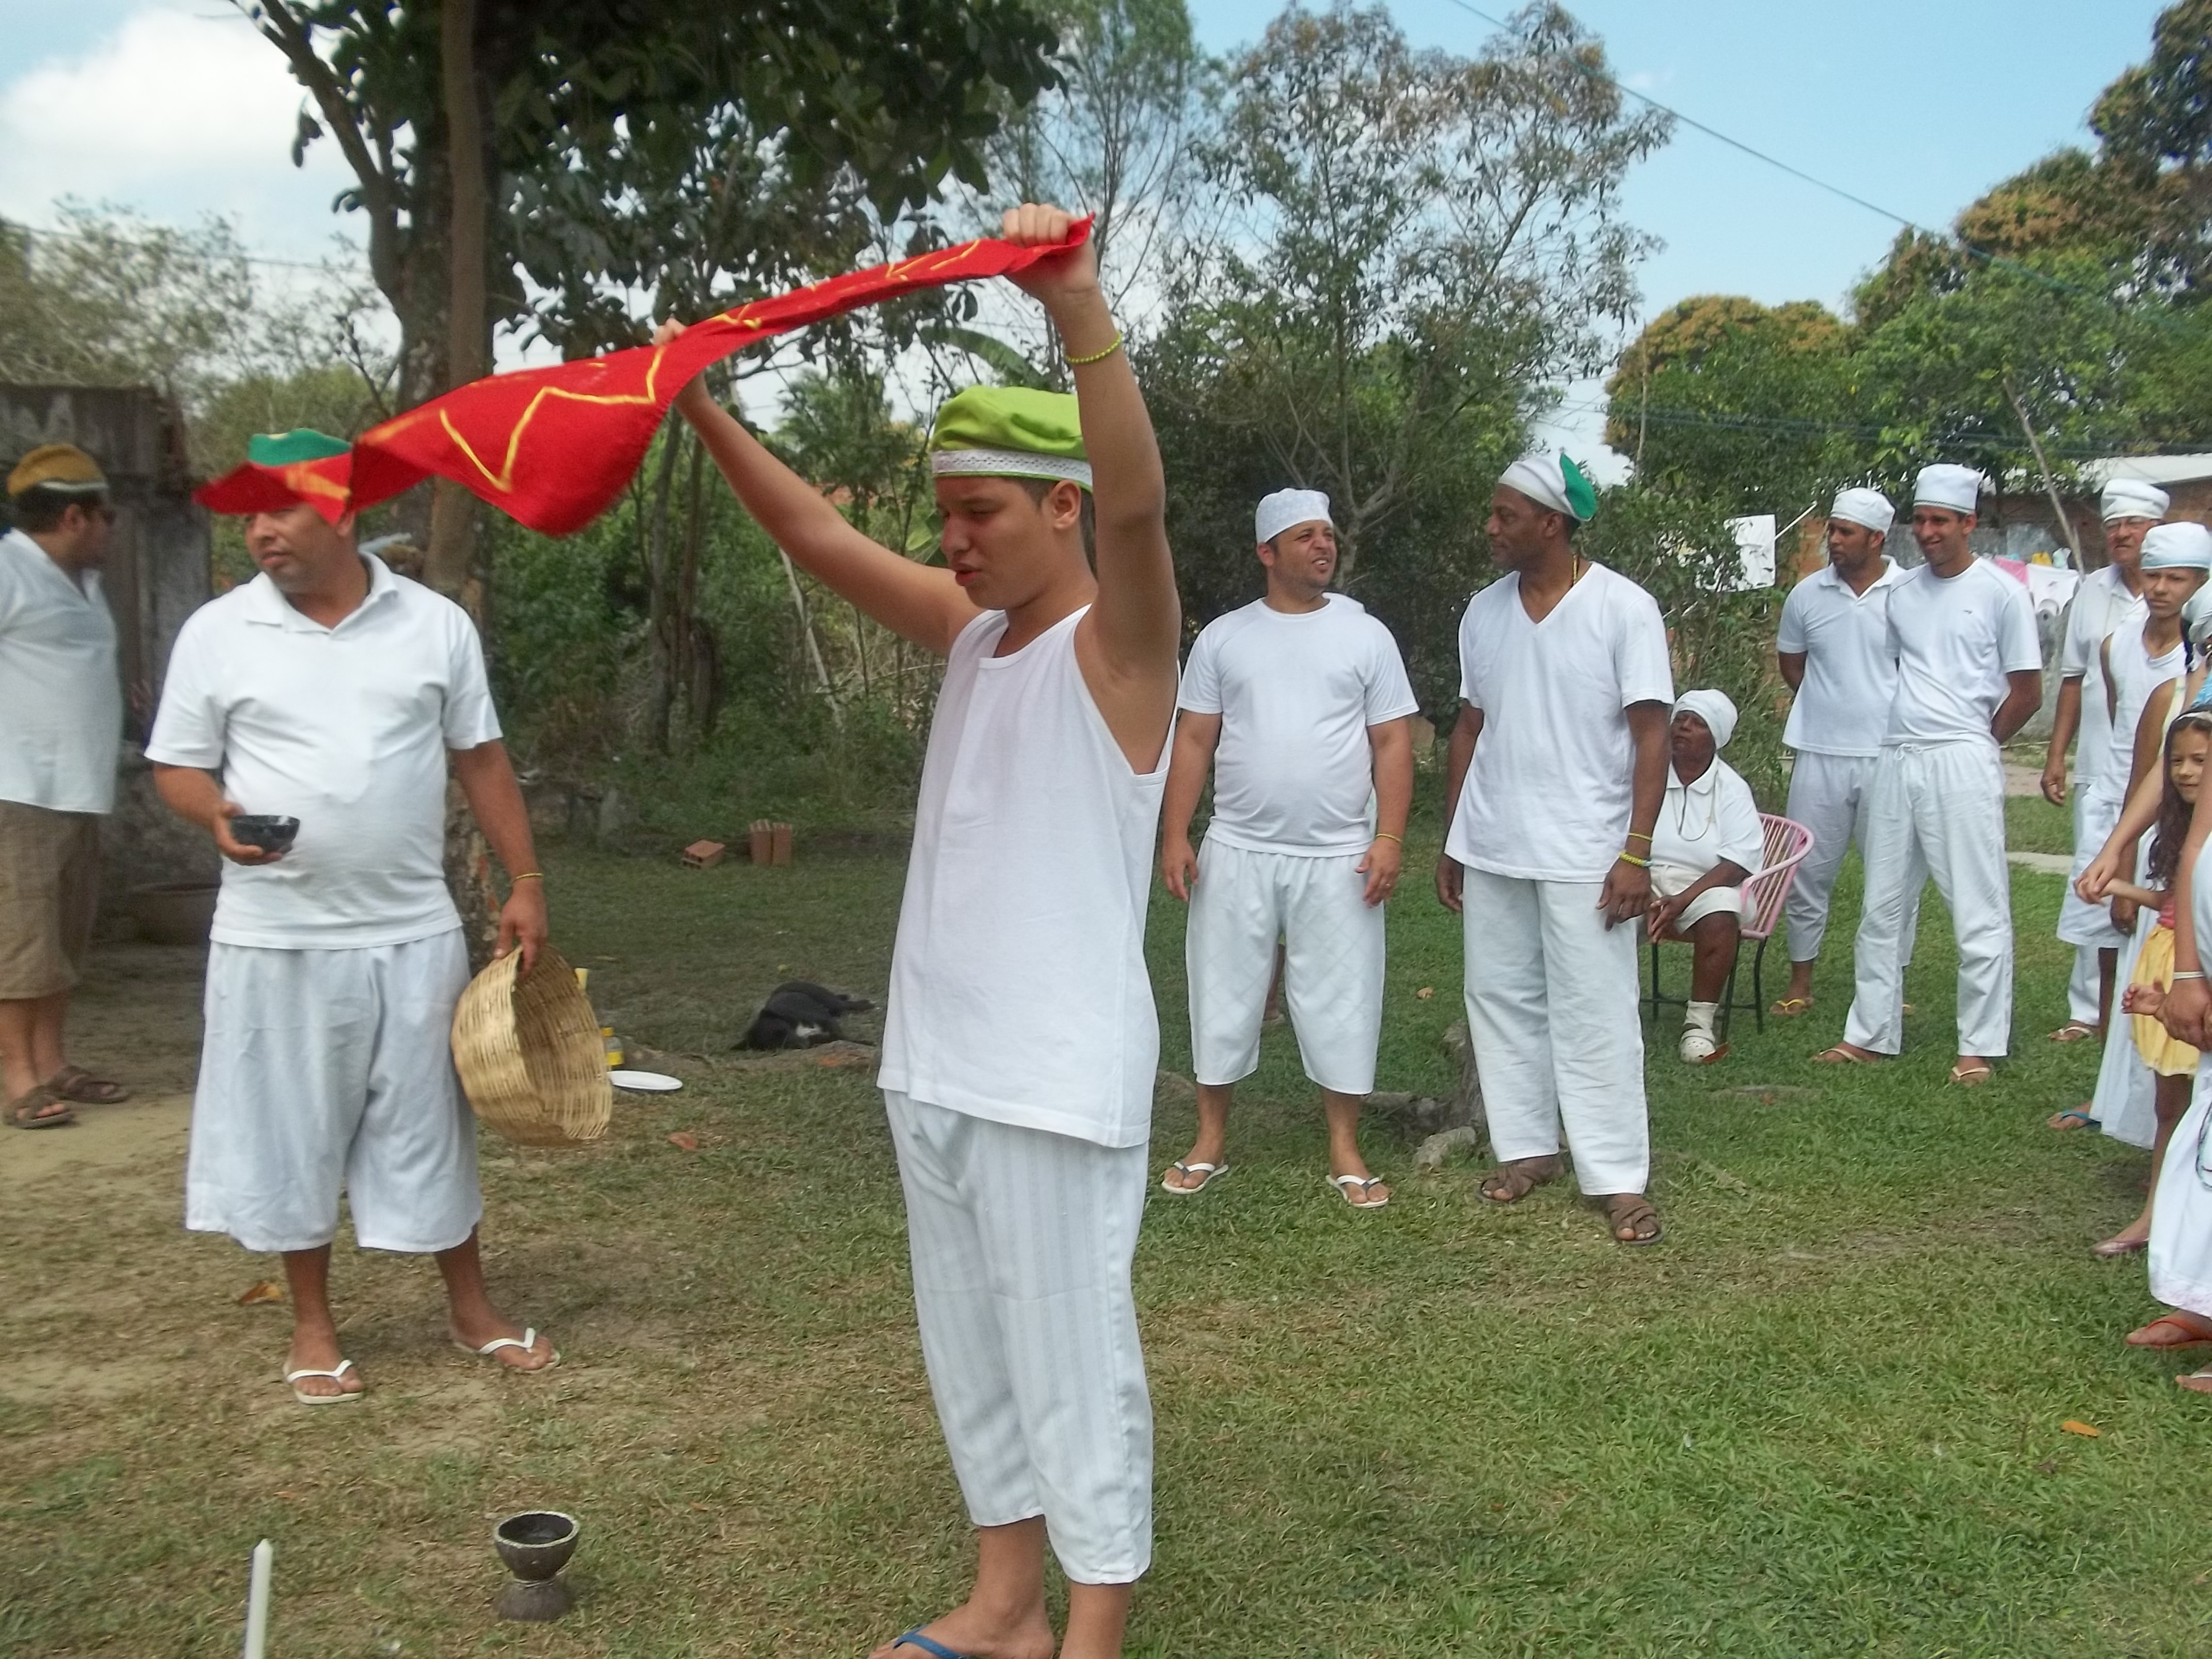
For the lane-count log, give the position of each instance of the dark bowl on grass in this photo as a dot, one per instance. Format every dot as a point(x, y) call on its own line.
point(270, 834)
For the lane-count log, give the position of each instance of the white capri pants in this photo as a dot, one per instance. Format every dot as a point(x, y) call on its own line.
point(1022, 1241)
point(1935, 810)
point(324, 1070)
point(1332, 956)
point(1552, 1007)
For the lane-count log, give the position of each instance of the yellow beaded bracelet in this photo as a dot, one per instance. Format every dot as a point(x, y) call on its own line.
point(1627, 857)
point(1098, 357)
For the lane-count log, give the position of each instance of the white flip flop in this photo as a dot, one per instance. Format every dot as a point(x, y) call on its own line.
point(526, 1341)
point(1343, 1184)
point(337, 1373)
point(1210, 1172)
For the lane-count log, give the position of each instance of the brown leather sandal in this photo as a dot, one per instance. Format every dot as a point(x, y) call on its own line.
point(1510, 1182)
point(74, 1083)
point(41, 1109)
point(1635, 1213)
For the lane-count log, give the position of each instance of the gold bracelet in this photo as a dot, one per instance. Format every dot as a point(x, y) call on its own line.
point(1637, 835)
point(527, 875)
point(1098, 356)
point(1385, 834)
point(1627, 857)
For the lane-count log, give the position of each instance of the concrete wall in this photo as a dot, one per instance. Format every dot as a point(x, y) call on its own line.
point(156, 576)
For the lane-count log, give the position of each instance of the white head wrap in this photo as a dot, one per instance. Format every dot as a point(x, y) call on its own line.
point(2131, 498)
point(2197, 616)
point(1712, 706)
point(2182, 546)
point(1552, 482)
point(1286, 507)
point(1953, 489)
point(1870, 507)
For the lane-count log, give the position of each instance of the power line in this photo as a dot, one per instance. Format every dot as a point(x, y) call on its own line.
point(44, 235)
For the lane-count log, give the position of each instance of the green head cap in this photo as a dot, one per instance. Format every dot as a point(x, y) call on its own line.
point(1009, 432)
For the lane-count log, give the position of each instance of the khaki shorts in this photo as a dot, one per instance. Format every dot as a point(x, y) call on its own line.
point(49, 895)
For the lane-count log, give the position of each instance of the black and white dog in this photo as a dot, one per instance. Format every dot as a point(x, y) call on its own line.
point(799, 1015)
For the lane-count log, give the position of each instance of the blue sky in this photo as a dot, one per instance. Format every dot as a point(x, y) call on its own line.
point(174, 107)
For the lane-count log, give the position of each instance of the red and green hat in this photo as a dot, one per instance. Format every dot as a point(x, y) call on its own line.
point(283, 469)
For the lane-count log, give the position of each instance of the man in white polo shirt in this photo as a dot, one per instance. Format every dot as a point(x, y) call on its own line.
point(61, 720)
point(1299, 703)
point(2103, 600)
point(1969, 675)
point(1834, 653)
point(1558, 766)
point(329, 690)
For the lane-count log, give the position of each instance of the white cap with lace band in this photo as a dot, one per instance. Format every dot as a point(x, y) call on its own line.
point(1009, 432)
point(1953, 489)
point(2131, 498)
point(1286, 508)
point(1554, 482)
point(1868, 508)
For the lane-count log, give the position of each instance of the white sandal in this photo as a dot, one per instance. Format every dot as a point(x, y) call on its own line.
point(335, 1373)
point(527, 1342)
point(1208, 1173)
point(1343, 1184)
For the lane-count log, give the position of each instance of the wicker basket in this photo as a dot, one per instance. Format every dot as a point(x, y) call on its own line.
point(529, 1054)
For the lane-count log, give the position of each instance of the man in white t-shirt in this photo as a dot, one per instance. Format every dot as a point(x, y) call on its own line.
point(2103, 600)
point(1969, 674)
point(61, 720)
point(1708, 842)
point(1833, 651)
point(1298, 704)
point(1558, 765)
point(330, 691)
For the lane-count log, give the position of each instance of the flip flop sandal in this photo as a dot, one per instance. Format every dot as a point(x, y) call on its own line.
point(2112, 1249)
point(2190, 1337)
point(1971, 1077)
point(337, 1373)
point(1840, 1055)
point(1791, 1007)
point(1343, 1184)
point(2195, 1381)
point(2073, 1031)
point(2072, 1118)
point(930, 1645)
point(74, 1083)
point(1207, 1174)
point(1514, 1181)
point(527, 1342)
point(1632, 1210)
point(25, 1113)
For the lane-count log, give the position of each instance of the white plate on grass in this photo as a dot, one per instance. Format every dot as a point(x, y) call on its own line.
point(645, 1083)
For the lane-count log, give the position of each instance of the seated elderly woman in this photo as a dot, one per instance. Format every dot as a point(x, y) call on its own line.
point(1707, 844)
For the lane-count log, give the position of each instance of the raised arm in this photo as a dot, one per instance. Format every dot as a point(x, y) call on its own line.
point(1126, 644)
point(919, 601)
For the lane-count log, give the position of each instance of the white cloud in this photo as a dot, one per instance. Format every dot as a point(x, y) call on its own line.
point(180, 111)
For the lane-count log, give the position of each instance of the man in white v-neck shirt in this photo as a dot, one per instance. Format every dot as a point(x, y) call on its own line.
point(1298, 702)
point(61, 724)
point(1833, 650)
point(2103, 600)
point(1558, 767)
point(1969, 675)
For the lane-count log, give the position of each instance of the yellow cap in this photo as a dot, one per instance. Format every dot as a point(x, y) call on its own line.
point(62, 467)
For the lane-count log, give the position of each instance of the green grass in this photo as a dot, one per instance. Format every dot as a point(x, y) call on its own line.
point(2033, 825)
point(1824, 1417)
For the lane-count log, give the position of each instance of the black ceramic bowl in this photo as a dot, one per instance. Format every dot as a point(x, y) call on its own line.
point(270, 835)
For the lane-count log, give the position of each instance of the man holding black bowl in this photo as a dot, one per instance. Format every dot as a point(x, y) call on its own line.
point(332, 696)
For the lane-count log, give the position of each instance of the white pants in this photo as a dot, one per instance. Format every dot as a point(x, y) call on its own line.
point(1331, 964)
point(1552, 1007)
point(1935, 810)
point(324, 1070)
point(1669, 879)
point(1022, 1241)
point(1828, 795)
point(2125, 1104)
point(2096, 814)
point(2181, 1212)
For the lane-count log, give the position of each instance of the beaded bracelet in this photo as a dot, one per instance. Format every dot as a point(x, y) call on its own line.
point(1627, 857)
point(1098, 357)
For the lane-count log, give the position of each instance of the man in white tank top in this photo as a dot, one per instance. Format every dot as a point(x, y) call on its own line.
point(1020, 1043)
point(1969, 673)
point(1298, 702)
point(1559, 765)
point(2103, 600)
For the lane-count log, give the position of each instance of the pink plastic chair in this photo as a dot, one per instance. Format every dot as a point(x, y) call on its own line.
point(1782, 848)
